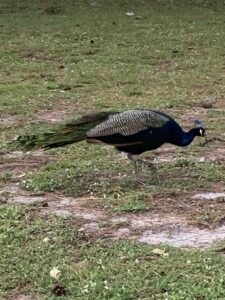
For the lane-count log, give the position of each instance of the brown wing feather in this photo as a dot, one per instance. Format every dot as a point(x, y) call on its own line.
point(96, 141)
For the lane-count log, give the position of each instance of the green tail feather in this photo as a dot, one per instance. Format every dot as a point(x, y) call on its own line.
point(63, 134)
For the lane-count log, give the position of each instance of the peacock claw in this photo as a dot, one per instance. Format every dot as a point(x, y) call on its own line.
point(138, 179)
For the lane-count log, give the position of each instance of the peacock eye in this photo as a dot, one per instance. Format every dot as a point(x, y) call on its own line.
point(201, 132)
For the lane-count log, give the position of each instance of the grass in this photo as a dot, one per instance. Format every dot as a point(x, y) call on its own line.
point(107, 174)
point(97, 269)
point(75, 57)
point(106, 57)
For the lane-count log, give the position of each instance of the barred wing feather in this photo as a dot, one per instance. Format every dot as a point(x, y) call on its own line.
point(129, 122)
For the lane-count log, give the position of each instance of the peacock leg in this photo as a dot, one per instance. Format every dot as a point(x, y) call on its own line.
point(151, 166)
point(134, 162)
point(144, 162)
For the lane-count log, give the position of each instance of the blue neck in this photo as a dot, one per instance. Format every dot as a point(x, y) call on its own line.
point(187, 138)
point(174, 134)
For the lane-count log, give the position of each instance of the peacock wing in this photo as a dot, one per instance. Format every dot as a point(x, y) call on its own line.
point(129, 123)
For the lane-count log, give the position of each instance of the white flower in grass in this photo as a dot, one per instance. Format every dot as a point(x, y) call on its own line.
point(93, 284)
point(159, 252)
point(106, 284)
point(55, 273)
point(129, 13)
point(85, 290)
point(188, 262)
point(46, 240)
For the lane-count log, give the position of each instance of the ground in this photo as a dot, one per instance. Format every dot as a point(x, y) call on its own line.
point(77, 208)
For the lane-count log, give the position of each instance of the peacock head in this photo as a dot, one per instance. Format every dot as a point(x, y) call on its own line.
point(199, 130)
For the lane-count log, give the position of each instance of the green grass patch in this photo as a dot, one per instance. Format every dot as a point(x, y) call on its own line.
point(84, 169)
point(164, 53)
point(100, 269)
point(85, 56)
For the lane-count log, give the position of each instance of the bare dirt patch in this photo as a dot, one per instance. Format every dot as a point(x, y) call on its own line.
point(26, 297)
point(51, 116)
point(149, 227)
point(152, 229)
point(39, 55)
point(220, 103)
point(209, 196)
point(18, 163)
point(184, 236)
point(8, 121)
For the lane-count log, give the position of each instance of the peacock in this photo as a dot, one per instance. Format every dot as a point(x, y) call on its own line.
point(133, 132)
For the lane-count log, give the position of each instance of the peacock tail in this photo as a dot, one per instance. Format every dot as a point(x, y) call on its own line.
point(62, 134)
